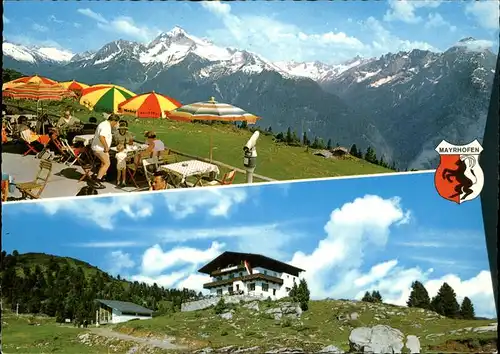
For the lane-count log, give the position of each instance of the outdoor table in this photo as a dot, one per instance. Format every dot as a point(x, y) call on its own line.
point(136, 147)
point(85, 139)
point(187, 169)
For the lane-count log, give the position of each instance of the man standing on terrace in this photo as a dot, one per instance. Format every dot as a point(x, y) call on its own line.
point(101, 144)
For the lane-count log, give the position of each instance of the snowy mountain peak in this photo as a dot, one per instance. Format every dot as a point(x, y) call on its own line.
point(35, 54)
point(176, 31)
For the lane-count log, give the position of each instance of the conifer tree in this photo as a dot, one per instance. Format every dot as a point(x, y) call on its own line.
point(467, 309)
point(419, 297)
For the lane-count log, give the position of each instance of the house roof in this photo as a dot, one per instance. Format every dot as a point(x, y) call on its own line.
point(255, 260)
point(124, 306)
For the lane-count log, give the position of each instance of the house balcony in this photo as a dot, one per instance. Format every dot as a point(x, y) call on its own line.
point(227, 270)
point(245, 278)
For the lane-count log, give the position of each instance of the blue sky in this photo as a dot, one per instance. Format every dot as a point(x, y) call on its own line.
point(303, 31)
point(347, 238)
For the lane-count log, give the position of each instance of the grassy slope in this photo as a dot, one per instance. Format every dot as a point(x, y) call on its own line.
point(275, 161)
point(27, 334)
point(317, 328)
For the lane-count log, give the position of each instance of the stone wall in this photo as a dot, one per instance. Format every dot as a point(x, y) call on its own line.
point(212, 301)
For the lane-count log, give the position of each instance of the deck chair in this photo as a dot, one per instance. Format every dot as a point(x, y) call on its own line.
point(227, 179)
point(34, 189)
point(65, 155)
point(165, 157)
point(74, 157)
point(149, 167)
point(26, 137)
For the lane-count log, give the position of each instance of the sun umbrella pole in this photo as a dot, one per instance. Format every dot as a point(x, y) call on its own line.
point(211, 145)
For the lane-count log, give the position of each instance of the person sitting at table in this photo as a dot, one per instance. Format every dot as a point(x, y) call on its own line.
point(67, 121)
point(155, 146)
point(38, 141)
point(159, 181)
point(122, 135)
point(101, 145)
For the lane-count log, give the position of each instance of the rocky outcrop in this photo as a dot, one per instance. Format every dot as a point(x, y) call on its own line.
point(212, 301)
point(412, 344)
point(379, 339)
point(285, 309)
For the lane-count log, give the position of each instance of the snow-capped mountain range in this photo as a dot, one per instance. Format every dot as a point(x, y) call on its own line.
point(415, 96)
point(171, 48)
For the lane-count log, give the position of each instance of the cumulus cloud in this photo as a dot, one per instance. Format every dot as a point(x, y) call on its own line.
point(39, 28)
point(435, 20)
point(119, 261)
point(101, 211)
point(363, 223)
point(155, 260)
point(485, 13)
point(405, 10)
point(217, 202)
point(122, 25)
point(278, 40)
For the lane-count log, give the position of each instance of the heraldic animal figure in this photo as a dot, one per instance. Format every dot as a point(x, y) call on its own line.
point(464, 183)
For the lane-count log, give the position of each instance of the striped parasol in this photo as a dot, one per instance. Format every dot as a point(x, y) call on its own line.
point(35, 79)
point(211, 110)
point(38, 92)
point(148, 105)
point(74, 86)
point(105, 98)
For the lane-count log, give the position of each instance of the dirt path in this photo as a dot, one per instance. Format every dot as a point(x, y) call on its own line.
point(158, 343)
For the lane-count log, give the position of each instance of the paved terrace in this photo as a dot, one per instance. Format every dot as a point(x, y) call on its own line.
point(63, 181)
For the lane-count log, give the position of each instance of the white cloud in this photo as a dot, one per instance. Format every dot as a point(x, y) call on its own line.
point(476, 45)
point(384, 41)
point(93, 15)
point(217, 202)
point(155, 260)
point(261, 238)
point(126, 26)
point(102, 211)
point(77, 25)
point(277, 40)
point(39, 28)
point(405, 10)
point(119, 261)
point(52, 18)
point(107, 244)
point(435, 20)
point(5, 20)
point(122, 25)
point(355, 226)
point(333, 268)
point(377, 272)
point(485, 13)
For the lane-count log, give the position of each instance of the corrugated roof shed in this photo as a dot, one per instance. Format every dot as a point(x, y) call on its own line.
point(124, 306)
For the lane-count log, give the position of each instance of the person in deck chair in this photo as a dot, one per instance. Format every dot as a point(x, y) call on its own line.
point(38, 141)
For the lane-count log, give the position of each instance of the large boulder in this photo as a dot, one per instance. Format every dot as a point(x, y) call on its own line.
point(413, 344)
point(379, 339)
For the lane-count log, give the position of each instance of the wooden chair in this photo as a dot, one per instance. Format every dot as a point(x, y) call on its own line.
point(165, 157)
point(34, 189)
point(146, 165)
point(227, 179)
point(26, 137)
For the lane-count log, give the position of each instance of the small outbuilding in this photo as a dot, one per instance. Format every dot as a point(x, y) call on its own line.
point(111, 311)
